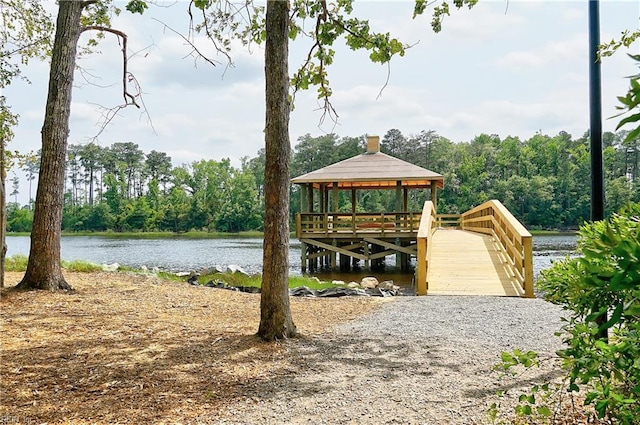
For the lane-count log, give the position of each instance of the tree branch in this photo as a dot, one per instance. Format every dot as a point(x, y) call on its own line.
point(189, 42)
point(129, 99)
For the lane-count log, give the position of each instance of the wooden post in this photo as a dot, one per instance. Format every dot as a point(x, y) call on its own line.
point(298, 225)
point(310, 190)
point(344, 262)
point(321, 207)
point(326, 198)
point(406, 199)
point(398, 209)
point(353, 200)
point(304, 202)
point(303, 257)
point(434, 194)
point(421, 268)
point(367, 261)
point(334, 265)
point(528, 267)
point(335, 197)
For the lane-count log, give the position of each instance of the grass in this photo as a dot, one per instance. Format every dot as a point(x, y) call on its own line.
point(18, 263)
point(552, 232)
point(81, 266)
point(239, 279)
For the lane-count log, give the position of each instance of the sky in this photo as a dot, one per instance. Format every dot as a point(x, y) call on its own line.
point(507, 68)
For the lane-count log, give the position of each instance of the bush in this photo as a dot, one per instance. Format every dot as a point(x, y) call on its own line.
point(16, 263)
point(601, 291)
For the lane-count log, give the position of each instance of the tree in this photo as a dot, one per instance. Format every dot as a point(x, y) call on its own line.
point(24, 34)
point(43, 268)
point(90, 160)
point(159, 168)
point(15, 185)
point(31, 167)
point(275, 314)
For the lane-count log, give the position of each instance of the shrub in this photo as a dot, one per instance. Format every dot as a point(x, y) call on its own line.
point(601, 291)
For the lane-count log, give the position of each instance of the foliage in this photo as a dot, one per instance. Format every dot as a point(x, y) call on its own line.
point(81, 266)
point(18, 219)
point(630, 104)
point(627, 38)
point(26, 33)
point(601, 291)
point(16, 263)
point(605, 279)
point(543, 180)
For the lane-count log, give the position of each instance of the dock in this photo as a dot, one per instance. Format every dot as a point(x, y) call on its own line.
point(483, 251)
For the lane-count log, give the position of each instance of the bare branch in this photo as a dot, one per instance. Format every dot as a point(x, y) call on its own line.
point(129, 99)
point(109, 114)
point(190, 43)
point(127, 79)
point(386, 83)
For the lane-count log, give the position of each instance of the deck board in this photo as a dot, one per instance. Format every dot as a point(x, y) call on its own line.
point(467, 263)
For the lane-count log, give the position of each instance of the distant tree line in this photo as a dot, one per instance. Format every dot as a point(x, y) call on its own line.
point(544, 181)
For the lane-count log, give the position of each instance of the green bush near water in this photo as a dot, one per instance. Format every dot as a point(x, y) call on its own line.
point(18, 263)
point(600, 291)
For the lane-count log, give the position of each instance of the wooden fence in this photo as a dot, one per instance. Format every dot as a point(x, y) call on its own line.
point(427, 227)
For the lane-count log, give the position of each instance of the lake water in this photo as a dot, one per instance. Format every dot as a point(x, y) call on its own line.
point(183, 254)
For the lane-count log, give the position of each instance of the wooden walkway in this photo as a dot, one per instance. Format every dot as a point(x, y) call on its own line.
point(468, 263)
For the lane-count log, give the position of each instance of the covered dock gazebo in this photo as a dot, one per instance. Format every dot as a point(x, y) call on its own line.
point(324, 232)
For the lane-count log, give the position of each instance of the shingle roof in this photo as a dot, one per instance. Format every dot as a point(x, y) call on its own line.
point(372, 170)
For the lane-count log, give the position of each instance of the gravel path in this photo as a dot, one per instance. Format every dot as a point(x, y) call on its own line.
point(416, 360)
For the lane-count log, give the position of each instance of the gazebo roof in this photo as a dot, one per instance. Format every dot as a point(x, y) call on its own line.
point(372, 170)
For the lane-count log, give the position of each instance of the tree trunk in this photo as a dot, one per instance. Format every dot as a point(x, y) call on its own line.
point(3, 212)
point(43, 269)
point(275, 313)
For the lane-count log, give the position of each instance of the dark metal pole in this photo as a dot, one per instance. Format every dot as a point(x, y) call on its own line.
point(595, 96)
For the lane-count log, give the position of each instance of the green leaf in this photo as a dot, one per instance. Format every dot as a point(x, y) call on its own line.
point(615, 318)
point(627, 120)
point(545, 411)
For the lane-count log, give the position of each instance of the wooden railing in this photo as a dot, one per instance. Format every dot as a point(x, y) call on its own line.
point(448, 220)
point(345, 224)
point(427, 227)
point(494, 219)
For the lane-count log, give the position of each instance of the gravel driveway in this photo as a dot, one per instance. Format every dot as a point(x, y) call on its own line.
point(416, 360)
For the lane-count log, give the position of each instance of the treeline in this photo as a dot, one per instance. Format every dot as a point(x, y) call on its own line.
point(120, 188)
point(544, 181)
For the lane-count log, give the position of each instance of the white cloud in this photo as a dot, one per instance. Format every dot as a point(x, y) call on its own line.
point(555, 51)
point(491, 70)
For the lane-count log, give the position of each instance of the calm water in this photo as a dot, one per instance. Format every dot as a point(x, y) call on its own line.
point(182, 254)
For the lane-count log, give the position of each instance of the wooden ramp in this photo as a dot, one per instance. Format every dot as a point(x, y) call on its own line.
point(468, 263)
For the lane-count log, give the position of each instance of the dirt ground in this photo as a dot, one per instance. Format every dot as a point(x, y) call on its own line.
point(127, 348)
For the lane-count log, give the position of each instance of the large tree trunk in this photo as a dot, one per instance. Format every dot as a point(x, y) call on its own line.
point(3, 212)
point(43, 269)
point(275, 312)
